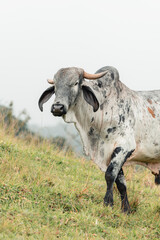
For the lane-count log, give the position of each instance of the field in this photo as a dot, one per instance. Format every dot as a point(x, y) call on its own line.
point(46, 194)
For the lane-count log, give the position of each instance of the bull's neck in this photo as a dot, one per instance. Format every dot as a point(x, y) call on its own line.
point(80, 111)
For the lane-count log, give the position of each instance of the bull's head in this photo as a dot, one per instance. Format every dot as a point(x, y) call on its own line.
point(67, 84)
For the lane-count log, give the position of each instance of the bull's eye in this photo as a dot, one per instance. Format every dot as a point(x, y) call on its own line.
point(74, 84)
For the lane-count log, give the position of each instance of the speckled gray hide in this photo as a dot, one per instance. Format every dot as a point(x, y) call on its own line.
point(125, 119)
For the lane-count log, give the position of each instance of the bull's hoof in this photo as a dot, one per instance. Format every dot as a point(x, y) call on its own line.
point(125, 205)
point(106, 204)
point(126, 209)
point(108, 200)
point(157, 179)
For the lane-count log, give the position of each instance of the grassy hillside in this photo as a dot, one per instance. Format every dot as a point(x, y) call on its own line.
point(45, 194)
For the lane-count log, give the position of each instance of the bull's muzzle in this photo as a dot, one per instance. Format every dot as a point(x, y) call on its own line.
point(58, 110)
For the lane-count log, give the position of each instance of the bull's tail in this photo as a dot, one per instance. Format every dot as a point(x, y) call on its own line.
point(157, 179)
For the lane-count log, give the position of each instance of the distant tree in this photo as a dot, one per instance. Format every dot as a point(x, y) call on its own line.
point(61, 143)
point(11, 121)
point(19, 125)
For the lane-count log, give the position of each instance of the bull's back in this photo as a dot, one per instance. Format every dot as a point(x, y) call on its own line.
point(150, 96)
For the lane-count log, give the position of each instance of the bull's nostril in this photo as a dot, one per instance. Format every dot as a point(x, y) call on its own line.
point(58, 109)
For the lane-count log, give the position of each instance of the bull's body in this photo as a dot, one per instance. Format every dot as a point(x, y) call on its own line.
point(125, 118)
point(124, 129)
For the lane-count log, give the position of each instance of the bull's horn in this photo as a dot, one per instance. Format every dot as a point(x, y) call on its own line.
point(50, 81)
point(93, 76)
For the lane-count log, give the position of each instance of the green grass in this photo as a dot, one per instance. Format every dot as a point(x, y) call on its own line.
point(46, 194)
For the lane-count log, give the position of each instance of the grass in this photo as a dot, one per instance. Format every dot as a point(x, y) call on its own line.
point(46, 194)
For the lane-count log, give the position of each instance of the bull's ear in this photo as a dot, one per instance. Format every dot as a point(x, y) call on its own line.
point(45, 97)
point(90, 97)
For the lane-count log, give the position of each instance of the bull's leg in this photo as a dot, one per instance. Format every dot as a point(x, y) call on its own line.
point(121, 185)
point(157, 178)
point(118, 158)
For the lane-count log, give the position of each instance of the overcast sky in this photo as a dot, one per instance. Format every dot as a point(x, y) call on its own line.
point(37, 37)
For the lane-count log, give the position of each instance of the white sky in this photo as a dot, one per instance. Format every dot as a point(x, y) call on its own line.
point(37, 37)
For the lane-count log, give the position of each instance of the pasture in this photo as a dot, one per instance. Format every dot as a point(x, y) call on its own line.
point(46, 194)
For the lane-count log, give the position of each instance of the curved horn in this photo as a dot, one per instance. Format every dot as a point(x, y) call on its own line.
point(93, 76)
point(50, 81)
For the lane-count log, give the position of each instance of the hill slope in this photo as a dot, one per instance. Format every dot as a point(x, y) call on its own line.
point(45, 194)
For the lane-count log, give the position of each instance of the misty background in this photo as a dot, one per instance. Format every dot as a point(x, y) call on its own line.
point(39, 37)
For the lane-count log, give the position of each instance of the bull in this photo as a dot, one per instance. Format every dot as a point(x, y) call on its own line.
point(117, 125)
